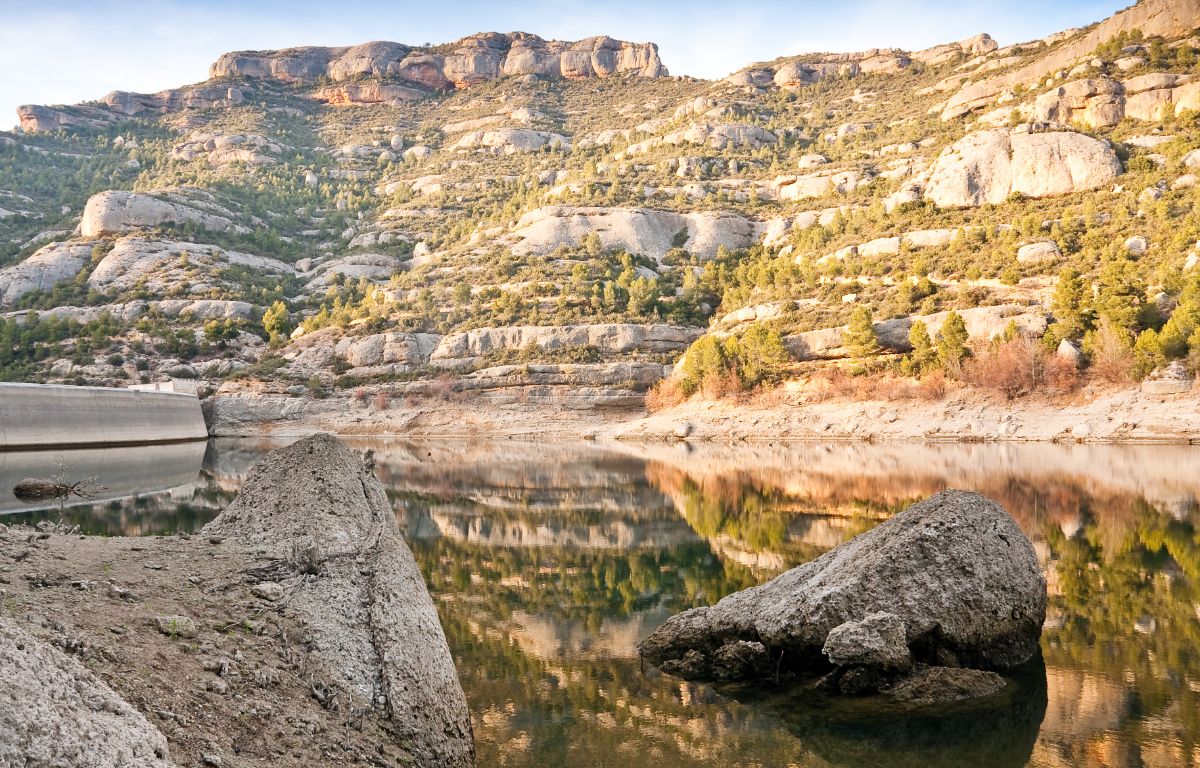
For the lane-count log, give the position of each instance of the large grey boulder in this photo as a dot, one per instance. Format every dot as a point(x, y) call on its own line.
point(317, 506)
point(955, 570)
point(989, 166)
point(115, 211)
point(54, 712)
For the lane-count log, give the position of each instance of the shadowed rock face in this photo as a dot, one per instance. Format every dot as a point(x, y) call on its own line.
point(54, 712)
point(955, 569)
point(373, 623)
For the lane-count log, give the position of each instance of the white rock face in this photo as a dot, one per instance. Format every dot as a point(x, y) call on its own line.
point(162, 265)
point(511, 141)
point(988, 166)
point(607, 337)
point(50, 265)
point(373, 266)
point(403, 349)
point(115, 212)
point(638, 230)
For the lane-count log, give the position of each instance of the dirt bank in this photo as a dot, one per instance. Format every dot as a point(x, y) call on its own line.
point(1094, 415)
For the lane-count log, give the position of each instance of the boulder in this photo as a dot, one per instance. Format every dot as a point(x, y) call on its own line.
point(1041, 251)
point(1171, 379)
point(940, 685)
point(372, 622)
point(876, 640)
point(955, 569)
point(55, 712)
point(115, 212)
point(989, 166)
point(1137, 245)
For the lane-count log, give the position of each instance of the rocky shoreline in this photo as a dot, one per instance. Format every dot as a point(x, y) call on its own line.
point(295, 629)
point(1117, 416)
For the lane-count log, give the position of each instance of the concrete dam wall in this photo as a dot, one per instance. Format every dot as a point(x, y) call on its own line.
point(46, 416)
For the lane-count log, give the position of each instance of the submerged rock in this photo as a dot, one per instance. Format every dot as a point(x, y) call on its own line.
point(54, 712)
point(317, 507)
point(954, 574)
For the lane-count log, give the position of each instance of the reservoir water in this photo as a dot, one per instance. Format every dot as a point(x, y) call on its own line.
point(550, 562)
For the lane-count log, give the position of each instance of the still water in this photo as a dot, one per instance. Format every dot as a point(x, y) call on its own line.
point(549, 563)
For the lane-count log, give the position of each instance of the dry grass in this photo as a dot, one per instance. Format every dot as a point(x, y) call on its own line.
point(830, 383)
point(663, 395)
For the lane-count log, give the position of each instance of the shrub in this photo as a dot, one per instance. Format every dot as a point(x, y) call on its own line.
point(1018, 367)
point(381, 401)
point(716, 367)
point(1111, 353)
point(859, 338)
point(952, 343)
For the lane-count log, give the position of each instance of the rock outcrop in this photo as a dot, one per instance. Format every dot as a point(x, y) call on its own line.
point(638, 230)
point(373, 624)
point(161, 265)
point(989, 166)
point(54, 712)
point(473, 59)
point(954, 572)
point(457, 348)
point(1168, 18)
point(983, 324)
point(115, 212)
point(47, 267)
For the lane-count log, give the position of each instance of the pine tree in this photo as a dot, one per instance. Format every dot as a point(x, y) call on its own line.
point(952, 342)
point(859, 337)
point(923, 356)
point(1068, 306)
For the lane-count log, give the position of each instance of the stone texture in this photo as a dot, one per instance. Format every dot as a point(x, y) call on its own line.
point(876, 640)
point(372, 621)
point(54, 712)
point(47, 267)
point(638, 230)
point(989, 166)
point(115, 212)
point(1168, 18)
point(955, 568)
point(607, 337)
point(942, 685)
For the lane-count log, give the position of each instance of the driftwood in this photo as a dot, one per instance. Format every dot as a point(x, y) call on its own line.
point(59, 487)
point(32, 489)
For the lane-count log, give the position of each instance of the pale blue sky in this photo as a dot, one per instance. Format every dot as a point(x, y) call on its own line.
point(65, 51)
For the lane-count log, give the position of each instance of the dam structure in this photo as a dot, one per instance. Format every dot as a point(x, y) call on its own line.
point(34, 416)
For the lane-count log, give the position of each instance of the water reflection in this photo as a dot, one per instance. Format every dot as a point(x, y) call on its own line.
point(549, 563)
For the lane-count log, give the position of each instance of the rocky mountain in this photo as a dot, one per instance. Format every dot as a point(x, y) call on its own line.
point(523, 218)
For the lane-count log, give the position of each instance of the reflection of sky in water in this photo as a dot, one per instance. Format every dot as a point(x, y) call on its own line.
point(551, 562)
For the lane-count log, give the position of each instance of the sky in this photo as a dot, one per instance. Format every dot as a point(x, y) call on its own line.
point(67, 51)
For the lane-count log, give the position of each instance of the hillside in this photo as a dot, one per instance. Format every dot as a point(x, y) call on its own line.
point(543, 223)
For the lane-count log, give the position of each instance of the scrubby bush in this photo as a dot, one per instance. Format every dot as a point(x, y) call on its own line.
point(1019, 366)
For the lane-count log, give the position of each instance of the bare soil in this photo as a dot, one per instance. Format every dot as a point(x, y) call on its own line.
point(240, 691)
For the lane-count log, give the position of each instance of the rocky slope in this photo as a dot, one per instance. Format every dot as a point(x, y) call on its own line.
point(524, 220)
